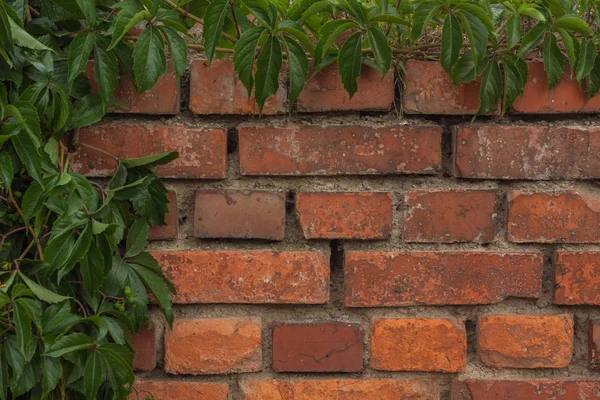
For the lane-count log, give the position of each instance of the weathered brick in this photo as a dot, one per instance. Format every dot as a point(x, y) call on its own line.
point(450, 216)
point(577, 278)
point(325, 92)
point(565, 97)
point(366, 215)
point(567, 216)
point(218, 90)
point(339, 389)
point(213, 346)
point(239, 214)
point(594, 344)
point(525, 341)
point(202, 151)
point(179, 390)
point(144, 345)
point(320, 347)
point(168, 231)
point(436, 278)
point(256, 277)
point(163, 98)
point(339, 150)
point(421, 344)
point(472, 389)
point(526, 152)
point(429, 90)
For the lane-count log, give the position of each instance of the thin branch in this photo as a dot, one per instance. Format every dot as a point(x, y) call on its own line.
point(106, 153)
point(198, 20)
point(12, 200)
point(237, 27)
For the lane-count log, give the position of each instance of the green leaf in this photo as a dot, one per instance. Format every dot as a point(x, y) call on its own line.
point(178, 49)
point(22, 324)
point(213, 26)
point(41, 292)
point(88, 7)
point(531, 10)
point(6, 169)
point(6, 40)
point(514, 31)
point(149, 61)
point(324, 6)
point(356, 9)
point(573, 23)
point(160, 290)
point(29, 153)
point(33, 199)
point(554, 62)
point(244, 53)
point(127, 19)
point(260, 10)
point(52, 372)
point(151, 161)
point(80, 50)
point(137, 238)
point(268, 67)
point(4, 377)
point(513, 84)
point(59, 250)
point(92, 269)
point(86, 111)
point(381, 48)
point(421, 17)
point(92, 375)
point(569, 42)
point(23, 39)
point(476, 32)
point(298, 68)
point(295, 30)
point(349, 63)
point(478, 11)
point(106, 70)
point(452, 41)
point(14, 356)
point(79, 251)
point(593, 79)
point(70, 343)
point(390, 18)
point(587, 57)
point(329, 33)
point(532, 38)
point(491, 88)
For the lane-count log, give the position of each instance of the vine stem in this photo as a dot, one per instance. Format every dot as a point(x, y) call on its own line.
point(198, 20)
point(106, 153)
point(12, 200)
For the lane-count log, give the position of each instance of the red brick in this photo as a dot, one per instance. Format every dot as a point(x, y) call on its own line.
point(144, 345)
point(525, 341)
point(202, 151)
point(527, 152)
point(594, 344)
point(163, 98)
point(429, 90)
point(566, 97)
point(388, 279)
point(577, 278)
point(218, 90)
point(239, 214)
point(568, 216)
point(339, 389)
point(364, 215)
point(168, 231)
point(179, 390)
point(449, 216)
point(325, 92)
point(213, 346)
point(422, 344)
point(325, 347)
point(255, 277)
point(339, 150)
point(473, 389)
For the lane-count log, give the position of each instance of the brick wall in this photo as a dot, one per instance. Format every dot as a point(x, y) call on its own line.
point(346, 252)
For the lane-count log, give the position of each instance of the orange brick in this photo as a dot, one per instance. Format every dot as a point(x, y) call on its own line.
point(567, 216)
point(566, 97)
point(339, 389)
point(364, 215)
point(202, 151)
point(577, 278)
point(255, 277)
point(339, 150)
point(325, 92)
point(179, 390)
point(168, 231)
point(525, 341)
point(386, 279)
point(144, 345)
point(218, 90)
point(547, 389)
point(594, 344)
point(422, 344)
point(449, 216)
point(213, 346)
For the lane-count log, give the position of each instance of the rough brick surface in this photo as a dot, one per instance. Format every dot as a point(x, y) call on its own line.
point(218, 90)
point(423, 344)
point(144, 345)
point(525, 341)
point(213, 346)
point(320, 347)
point(449, 216)
point(239, 214)
point(567, 216)
point(547, 389)
point(339, 389)
point(566, 97)
point(339, 150)
point(168, 231)
point(289, 277)
point(345, 215)
point(325, 92)
point(594, 343)
point(526, 151)
point(437, 278)
point(202, 151)
point(179, 390)
point(429, 90)
point(163, 98)
point(577, 278)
